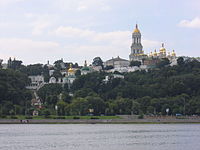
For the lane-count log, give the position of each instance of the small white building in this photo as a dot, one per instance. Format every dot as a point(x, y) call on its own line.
point(113, 76)
point(51, 72)
point(52, 80)
point(36, 81)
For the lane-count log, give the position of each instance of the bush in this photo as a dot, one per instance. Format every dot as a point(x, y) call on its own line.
point(47, 116)
point(94, 118)
point(3, 116)
point(60, 117)
point(75, 117)
point(45, 113)
point(28, 117)
point(141, 116)
point(13, 117)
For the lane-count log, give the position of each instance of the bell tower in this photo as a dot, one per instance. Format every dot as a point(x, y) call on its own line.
point(136, 47)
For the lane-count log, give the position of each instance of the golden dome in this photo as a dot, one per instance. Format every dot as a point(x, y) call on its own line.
point(162, 49)
point(136, 30)
point(155, 53)
point(71, 70)
point(173, 53)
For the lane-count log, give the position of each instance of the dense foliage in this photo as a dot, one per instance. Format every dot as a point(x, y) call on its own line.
point(140, 92)
point(14, 97)
point(176, 88)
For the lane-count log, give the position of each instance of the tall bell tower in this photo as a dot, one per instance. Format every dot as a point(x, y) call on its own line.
point(136, 47)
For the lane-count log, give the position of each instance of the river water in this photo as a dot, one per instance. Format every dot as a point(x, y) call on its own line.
point(100, 137)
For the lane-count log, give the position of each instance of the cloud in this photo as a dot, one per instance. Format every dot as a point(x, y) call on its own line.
point(71, 32)
point(103, 44)
point(40, 23)
point(39, 27)
point(91, 4)
point(26, 49)
point(195, 23)
point(119, 38)
point(83, 5)
point(8, 2)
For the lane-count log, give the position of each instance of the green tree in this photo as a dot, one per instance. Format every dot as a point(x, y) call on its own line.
point(79, 106)
point(50, 92)
point(97, 104)
point(97, 61)
point(180, 61)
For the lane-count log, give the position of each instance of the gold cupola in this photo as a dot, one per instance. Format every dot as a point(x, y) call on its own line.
point(162, 49)
point(136, 30)
point(70, 70)
point(155, 53)
point(173, 53)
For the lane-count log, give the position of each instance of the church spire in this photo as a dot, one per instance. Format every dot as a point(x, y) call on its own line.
point(136, 30)
point(85, 64)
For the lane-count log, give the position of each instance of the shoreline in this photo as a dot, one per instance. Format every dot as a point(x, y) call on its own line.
point(100, 121)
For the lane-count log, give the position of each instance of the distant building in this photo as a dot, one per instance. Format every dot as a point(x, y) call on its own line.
point(36, 82)
point(52, 80)
point(51, 72)
point(49, 65)
point(97, 68)
point(86, 69)
point(117, 62)
point(70, 76)
point(137, 52)
point(151, 62)
point(4, 66)
point(112, 76)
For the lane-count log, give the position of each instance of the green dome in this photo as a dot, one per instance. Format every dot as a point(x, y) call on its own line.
point(85, 69)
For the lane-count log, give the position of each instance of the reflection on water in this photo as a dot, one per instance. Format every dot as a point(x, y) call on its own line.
point(100, 137)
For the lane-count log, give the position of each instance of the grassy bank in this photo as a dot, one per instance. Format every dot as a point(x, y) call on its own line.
point(59, 117)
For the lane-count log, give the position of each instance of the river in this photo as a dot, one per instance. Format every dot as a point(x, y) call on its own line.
point(100, 137)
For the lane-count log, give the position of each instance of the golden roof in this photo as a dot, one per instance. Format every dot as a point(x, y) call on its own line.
point(136, 30)
point(162, 49)
point(155, 53)
point(71, 70)
point(173, 53)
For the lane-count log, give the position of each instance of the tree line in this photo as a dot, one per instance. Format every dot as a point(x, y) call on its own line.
point(141, 92)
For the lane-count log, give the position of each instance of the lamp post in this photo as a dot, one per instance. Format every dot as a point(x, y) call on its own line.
point(184, 106)
point(56, 108)
point(167, 111)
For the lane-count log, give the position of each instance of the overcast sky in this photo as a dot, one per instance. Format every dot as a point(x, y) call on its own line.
point(35, 31)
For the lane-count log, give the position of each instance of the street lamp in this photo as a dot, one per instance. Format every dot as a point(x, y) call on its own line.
point(167, 111)
point(56, 108)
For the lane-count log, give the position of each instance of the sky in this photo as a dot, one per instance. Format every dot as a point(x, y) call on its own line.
point(36, 31)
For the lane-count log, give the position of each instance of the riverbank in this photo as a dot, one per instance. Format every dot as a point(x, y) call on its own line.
point(101, 121)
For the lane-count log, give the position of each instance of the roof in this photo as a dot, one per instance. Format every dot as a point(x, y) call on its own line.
point(117, 59)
